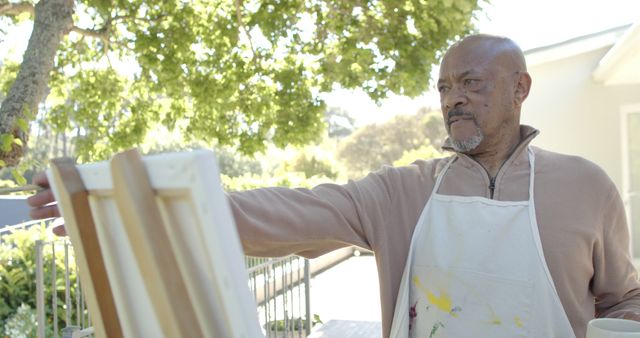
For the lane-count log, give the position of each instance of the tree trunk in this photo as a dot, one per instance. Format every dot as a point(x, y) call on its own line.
point(52, 21)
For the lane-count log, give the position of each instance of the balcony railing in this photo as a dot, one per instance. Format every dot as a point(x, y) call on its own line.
point(280, 287)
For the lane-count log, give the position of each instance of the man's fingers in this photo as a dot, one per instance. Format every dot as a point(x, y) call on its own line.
point(40, 179)
point(60, 230)
point(41, 204)
point(48, 211)
point(43, 197)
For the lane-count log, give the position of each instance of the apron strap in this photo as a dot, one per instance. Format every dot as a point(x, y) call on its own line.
point(436, 186)
point(532, 172)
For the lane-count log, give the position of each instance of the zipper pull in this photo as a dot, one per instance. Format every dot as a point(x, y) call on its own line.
point(492, 185)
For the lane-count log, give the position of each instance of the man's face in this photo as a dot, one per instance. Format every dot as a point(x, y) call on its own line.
point(476, 96)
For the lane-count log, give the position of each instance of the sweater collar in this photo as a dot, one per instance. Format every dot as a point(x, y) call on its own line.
point(527, 134)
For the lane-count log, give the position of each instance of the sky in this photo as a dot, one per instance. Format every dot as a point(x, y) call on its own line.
point(531, 23)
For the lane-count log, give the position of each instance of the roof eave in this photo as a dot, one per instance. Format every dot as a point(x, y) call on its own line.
point(621, 64)
point(575, 46)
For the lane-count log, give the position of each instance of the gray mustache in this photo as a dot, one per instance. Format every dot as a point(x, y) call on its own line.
point(458, 112)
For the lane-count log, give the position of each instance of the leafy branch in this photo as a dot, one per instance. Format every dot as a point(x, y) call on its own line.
point(238, 4)
point(15, 9)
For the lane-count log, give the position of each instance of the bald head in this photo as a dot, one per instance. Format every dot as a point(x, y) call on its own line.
point(484, 48)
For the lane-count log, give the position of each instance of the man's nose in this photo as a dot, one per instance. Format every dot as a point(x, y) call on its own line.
point(456, 96)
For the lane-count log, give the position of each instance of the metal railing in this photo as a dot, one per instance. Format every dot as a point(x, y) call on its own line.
point(282, 290)
point(280, 287)
point(24, 225)
point(75, 313)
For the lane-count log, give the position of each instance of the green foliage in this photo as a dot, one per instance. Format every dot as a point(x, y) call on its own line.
point(293, 324)
point(372, 146)
point(17, 277)
point(233, 164)
point(7, 184)
point(6, 141)
point(23, 125)
point(22, 324)
point(108, 113)
point(20, 174)
point(293, 167)
point(237, 73)
point(426, 151)
point(18, 177)
point(252, 181)
point(8, 73)
point(312, 165)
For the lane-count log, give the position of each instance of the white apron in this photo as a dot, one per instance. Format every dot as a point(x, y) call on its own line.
point(476, 269)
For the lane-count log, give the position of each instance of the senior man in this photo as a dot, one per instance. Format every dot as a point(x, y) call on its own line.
point(501, 239)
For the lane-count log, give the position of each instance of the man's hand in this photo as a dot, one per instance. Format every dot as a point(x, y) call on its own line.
point(42, 201)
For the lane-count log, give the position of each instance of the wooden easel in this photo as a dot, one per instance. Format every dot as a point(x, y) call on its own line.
point(157, 249)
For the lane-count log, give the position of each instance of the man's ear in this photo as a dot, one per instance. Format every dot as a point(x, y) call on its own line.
point(522, 87)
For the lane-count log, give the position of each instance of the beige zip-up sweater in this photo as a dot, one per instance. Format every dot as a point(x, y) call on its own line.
point(580, 216)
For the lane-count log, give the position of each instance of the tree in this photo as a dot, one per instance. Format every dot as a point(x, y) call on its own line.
point(232, 72)
point(372, 146)
point(424, 152)
point(312, 165)
point(52, 19)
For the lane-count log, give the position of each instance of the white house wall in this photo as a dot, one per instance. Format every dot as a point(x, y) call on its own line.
point(575, 114)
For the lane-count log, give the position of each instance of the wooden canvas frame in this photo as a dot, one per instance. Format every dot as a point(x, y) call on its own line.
point(156, 245)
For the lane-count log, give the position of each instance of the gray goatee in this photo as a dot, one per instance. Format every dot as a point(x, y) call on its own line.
point(463, 146)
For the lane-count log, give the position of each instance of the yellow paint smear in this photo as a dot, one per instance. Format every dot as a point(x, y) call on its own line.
point(495, 320)
point(443, 302)
point(518, 322)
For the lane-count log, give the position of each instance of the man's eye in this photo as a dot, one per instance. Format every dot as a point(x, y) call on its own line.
point(471, 84)
point(443, 89)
